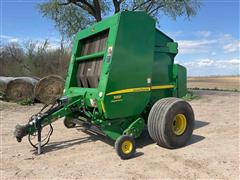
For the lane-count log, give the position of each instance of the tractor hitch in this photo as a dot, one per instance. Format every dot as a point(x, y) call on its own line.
point(20, 131)
point(38, 121)
point(33, 125)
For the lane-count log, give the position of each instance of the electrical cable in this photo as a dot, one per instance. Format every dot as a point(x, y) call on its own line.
point(46, 138)
point(49, 132)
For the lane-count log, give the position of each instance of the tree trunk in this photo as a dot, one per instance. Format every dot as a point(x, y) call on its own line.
point(116, 4)
point(97, 10)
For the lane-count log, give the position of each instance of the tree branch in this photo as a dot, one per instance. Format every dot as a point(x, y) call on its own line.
point(149, 6)
point(153, 10)
point(140, 5)
point(116, 4)
point(64, 4)
point(94, 10)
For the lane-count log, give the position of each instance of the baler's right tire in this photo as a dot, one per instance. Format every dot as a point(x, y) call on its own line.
point(68, 123)
point(171, 122)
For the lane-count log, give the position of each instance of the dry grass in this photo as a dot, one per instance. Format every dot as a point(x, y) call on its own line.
point(218, 82)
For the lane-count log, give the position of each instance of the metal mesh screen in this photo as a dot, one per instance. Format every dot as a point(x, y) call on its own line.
point(89, 71)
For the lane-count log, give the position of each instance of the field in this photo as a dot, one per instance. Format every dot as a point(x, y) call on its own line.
point(213, 151)
point(218, 82)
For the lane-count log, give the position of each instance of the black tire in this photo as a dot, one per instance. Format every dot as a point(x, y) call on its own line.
point(161, 121)
point(120, 144)
point(68, 123)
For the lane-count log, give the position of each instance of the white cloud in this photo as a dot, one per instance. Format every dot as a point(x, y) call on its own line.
point(224, 38)
point(174, 34)
point(232, 47)
point(194, 46)
point(205, 62)
point(8, 39)
point(234, 61)
point(53, 43)
point(213, 53)
point(13, 40)
point(203, 67)
point(5, 37)
point(204, 33)
point(53, 46)
point(209, 43)
point(199, 63)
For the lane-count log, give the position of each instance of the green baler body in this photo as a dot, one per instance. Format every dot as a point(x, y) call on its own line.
point(127, 65)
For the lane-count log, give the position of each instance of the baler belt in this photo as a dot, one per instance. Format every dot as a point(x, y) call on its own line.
point(142, 89)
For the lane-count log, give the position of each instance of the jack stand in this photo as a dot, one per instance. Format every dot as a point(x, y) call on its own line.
point(39, 139)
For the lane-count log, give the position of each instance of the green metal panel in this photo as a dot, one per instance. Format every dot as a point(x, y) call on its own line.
point(180, 76)
point(165, 51)
point(131, 65)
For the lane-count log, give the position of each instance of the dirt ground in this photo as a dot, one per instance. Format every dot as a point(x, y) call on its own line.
point(213, 151)
point(218, 82)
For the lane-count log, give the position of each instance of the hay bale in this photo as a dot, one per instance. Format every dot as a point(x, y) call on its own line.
point(20, 88)
point(3, 84)
point(49, 88)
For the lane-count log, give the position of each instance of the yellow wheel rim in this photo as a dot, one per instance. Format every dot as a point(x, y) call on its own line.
point(127, 147)
point(179, 124)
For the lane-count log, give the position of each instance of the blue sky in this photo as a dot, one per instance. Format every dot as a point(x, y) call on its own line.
point(209, 42)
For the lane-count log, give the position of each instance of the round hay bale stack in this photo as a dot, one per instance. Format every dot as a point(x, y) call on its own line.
point(20, 88)
point(3, 84)
point(49, 88)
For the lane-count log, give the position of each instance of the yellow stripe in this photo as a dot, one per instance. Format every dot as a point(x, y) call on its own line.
point(103, 107)
point(129, 90)
point(163, 87)
point(142, 89)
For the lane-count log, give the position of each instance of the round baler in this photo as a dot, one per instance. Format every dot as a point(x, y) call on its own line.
point(121, 78)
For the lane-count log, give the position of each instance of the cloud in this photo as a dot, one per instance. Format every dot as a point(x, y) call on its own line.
point(50, 45)
point(234, 61)
point(53, 43)
point(232, 47)
point(204, 33)
point(53, 46)
point(199, 63)
point(213, 53)
point(211, 43)
point(224, 38)
point(199, 34)
point(5, 37)
point(194, 46)
point(203, 67)
point(205, 62)
point(9, 39)
point(174, 34)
